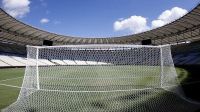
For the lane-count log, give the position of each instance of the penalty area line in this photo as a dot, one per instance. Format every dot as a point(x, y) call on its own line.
point(10, 86)
point(95, 91)
point(10, 79)
point(77, 91)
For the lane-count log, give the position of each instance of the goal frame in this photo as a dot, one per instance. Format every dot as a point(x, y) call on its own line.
point(102, 45)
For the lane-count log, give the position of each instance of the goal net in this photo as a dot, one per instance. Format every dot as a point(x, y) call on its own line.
point(94, 77)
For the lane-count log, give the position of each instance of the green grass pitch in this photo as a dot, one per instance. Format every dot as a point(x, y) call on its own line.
point(14, 76)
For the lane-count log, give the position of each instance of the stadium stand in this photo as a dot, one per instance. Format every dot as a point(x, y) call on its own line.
point(9, 60)
point(12, 60)
point(183, 54)
point(186, 54)
point(6, 48)
point(13, 55)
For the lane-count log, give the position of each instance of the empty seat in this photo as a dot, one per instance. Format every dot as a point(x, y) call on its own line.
point(70, 62)
point(59, 62)
point(47, 62)
point(32, 62)
point(20, 59)
point(102, 63)
point(91, 62)
point(2, 64)
point(78, 62)
point(11, 61)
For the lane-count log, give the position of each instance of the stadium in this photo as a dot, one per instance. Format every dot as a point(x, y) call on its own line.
point(152, 71)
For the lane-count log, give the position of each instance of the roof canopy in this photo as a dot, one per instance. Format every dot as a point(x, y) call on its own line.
point(187, 28)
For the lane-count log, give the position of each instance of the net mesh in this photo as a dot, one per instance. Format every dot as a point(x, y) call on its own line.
point(99, 78)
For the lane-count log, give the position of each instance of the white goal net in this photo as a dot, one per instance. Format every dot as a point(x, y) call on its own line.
point(95, 78)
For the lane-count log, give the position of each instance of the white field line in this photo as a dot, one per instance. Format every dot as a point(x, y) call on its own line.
point(78, 91)
point(96, 91)
point(88, 91)
point(10, 85)
point(96, 78)
point(10, 79)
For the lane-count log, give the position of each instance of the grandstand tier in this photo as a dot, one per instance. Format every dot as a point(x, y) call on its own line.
point(183, 54)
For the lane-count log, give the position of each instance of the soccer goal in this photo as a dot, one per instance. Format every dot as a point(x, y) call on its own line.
point(89, 77)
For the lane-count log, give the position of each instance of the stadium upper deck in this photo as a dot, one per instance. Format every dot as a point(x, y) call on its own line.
point(184, 29)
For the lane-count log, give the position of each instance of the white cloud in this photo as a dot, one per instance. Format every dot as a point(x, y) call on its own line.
point(157, 23)
point(135, 24)
point(44, 20)
point(168, 16)
point(16, 8)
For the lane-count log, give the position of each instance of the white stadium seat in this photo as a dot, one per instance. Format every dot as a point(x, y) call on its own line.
point(33, 62)
point(59, 62)
point(102, 63)
point(20, 59)
point(2, 64)
point(9, 60)
point(80, 62)
point(47, 62)
point(91, 62)
point(70, 62)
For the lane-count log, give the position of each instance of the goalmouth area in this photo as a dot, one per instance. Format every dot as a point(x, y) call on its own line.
point(100, 78)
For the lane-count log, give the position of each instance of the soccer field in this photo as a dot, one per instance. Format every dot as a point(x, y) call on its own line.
point(11, 79)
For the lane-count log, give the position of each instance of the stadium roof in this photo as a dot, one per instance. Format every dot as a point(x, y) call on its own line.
point(187, 28)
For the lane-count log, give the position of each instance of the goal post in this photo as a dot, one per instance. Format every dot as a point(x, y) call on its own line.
point(161, 67)
point(77, 74)
point(37, 70)
point(139, 59)
point(169, 76)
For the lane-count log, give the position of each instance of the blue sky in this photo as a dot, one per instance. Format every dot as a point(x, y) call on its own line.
point(97, 18)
